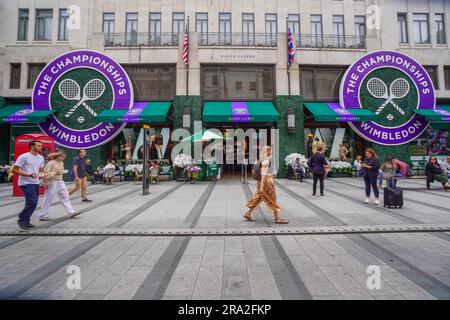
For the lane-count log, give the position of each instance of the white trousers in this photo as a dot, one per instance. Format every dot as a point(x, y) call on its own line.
point(56, 187)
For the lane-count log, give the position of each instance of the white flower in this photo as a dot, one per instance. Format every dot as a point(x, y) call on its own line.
point(291, 158)
point(133, 167)
point(182, 160)
point(340, 164)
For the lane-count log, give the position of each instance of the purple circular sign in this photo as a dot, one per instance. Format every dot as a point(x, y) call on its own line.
point(78, 95)
point(388, 94)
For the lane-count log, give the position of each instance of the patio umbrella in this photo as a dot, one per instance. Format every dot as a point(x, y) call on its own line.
point(203, 135)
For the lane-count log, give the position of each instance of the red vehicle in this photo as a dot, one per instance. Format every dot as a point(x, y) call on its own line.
point(21, 147)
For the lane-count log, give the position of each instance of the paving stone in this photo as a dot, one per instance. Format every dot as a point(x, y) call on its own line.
point(209, 283)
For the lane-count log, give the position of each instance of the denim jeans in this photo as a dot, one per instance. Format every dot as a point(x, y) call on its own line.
point(31, 192)
point(371, 182)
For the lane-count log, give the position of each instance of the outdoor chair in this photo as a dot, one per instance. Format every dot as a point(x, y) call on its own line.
point(137, 175)
point(109, 175)
point(154, 175)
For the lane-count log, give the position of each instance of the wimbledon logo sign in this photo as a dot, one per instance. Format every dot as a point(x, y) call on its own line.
point(79, 85)
point(392, 85)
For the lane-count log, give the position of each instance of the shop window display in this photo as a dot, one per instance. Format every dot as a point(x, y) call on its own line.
point(434, 141)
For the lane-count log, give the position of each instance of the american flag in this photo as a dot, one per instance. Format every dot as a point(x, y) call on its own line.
point(186, 48)
point(291, 49)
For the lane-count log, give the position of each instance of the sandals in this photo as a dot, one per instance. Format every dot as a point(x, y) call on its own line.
point(281, 221)
point(249, 217)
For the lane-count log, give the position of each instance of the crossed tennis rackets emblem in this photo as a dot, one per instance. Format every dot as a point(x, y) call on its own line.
point(70, 90)
point(398, 89)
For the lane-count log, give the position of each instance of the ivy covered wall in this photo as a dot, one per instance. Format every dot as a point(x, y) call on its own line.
point(288, 142)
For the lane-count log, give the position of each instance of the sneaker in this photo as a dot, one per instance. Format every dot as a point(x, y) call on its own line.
point(46, 218)
point(367, 200)
point(376, 202)
point(22, 226)
point(31, 226)
point(74, 214)
point(314, 194)
point(322, 195)
point(86, 200)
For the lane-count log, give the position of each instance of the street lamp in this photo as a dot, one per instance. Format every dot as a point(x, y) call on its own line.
point(186, 118)
point(291, 120)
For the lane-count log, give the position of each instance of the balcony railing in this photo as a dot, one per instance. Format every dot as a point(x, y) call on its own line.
point(141, 39)
point(237, 39)
point(331, 41)
point(233, 39)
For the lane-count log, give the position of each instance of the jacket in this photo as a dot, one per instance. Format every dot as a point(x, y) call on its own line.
point(316, 163)
point(432, 170)
point(375, 164)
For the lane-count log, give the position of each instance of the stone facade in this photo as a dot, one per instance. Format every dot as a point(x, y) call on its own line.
point(90, 35)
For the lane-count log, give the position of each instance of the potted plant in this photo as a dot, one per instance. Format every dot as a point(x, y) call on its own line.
point(291, 158)
point(180, 162)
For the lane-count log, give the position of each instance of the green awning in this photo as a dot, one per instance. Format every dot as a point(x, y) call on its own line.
point(222, 111)
point(141, 112)
point(333, 112)
point(440, 114)
point(23, 113)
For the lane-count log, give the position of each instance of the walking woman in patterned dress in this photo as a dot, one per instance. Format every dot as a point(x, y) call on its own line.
point(265, 189)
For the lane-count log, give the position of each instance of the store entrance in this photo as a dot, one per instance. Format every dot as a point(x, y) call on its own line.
point(237, 170)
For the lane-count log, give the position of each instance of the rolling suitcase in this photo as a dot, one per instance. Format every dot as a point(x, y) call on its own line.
point(393, 197)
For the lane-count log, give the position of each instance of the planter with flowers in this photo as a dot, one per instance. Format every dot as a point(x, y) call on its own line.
point(340, 169)
point(131, 170)
point(290, 159)
point(180, 162)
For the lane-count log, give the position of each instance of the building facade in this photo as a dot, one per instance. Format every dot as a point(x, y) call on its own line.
point(237, 52)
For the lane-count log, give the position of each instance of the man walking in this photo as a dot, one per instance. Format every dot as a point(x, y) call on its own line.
point(27, 167)
point(80, 175)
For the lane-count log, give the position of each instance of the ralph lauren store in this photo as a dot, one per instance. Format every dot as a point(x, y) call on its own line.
point(84, 99)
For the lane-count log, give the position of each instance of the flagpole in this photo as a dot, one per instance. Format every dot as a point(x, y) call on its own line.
point(187, 65)
point(288, 65)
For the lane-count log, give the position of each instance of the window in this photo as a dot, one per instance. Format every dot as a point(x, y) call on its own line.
point(421, 33)
point(360, 30)
point(321, 83)
point(22, 32)
point(108, 27)
point(338, 30)
point(316, 30)
point(432, 72)
point(152, 82)
point(154, 28)
point(447, 77)
point(402, 27)
point(248, 29)
point(43, 30)
point(294, 25)
point(271, 29)
point(131, 28)
point(201, 27)
point(224, 28)
point(237, 82)
point(63, 30)
point(177, 26)
point(33, 72)
point(440, 28)
point(15, 76)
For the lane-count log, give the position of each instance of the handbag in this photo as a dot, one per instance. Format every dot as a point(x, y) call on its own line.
point(362, 172)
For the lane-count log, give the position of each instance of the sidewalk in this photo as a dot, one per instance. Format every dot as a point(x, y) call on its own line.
point(190, 242)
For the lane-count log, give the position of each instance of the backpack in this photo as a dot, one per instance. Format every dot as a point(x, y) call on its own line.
point(256, 171)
